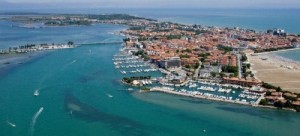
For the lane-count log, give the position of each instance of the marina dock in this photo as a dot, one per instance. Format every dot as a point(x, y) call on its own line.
point(130, 65)
point(199, 95)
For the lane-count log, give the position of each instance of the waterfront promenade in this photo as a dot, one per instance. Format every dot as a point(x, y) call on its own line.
point(195, 95)
point(198, 96)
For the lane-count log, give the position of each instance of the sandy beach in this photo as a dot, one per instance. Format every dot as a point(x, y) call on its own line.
point(276, 70)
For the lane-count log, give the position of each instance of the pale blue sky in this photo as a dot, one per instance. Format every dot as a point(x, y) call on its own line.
point(152, 3)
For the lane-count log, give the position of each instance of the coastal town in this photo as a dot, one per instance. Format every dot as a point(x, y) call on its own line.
point(209, 62)
point(191, 60)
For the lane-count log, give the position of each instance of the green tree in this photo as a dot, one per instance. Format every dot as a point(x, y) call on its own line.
point(248, 66)
point(268, 93)
point(263, 102)
point(244, 58)
point(187, 66)
point(173, 37)
point(222, 75)
point(230, 69)
point(268, 86)
point(187, 50)
point(244, 69)
point(202, 59)
point(297, 108)
point(196, 66)
point(184, 56)
point(126, 39)
point(142, 38)
point(235, 74)
point(288, 104)
point(225, 48)
point(70, 43)
point(213, 74)
point(278, 89)
point(279, 104)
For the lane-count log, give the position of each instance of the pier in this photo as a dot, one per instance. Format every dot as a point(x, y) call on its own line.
point(37, 47)
point(102, 43)
point(129, 64)
point(196, 95)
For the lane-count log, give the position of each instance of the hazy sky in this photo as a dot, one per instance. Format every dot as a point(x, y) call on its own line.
point(151, 3)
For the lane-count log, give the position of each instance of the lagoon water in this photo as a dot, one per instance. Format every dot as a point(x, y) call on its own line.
point(14, 35)
point(257, 19)
point(75, 86)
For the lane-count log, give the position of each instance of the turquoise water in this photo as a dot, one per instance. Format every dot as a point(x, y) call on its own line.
point(293, 55)
point(76, 86)
point(89, 81)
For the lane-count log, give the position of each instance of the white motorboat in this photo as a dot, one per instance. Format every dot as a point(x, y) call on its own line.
point(36, 92)
point(11, 124)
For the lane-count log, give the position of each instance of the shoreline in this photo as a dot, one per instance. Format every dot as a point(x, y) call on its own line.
point(158, 89)
point(282, 50)
point(285, 59)
point(161, 90)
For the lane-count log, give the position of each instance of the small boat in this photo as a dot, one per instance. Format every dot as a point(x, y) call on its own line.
point(36, 92)
point(11, 124)
point(130, 89)
point(70, 113)
point(109, 95)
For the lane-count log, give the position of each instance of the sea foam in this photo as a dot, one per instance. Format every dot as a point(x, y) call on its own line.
point(33, 121)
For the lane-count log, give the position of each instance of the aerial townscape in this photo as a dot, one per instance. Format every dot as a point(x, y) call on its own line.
point(213, 60)
point(207, 62)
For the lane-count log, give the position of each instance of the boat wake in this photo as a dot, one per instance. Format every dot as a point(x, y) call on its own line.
point(33, 121)
point(11, 124)
point(74, 61)
point(68, 64)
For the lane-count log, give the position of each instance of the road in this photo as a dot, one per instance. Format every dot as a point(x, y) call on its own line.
point(197, 71)
point(239, 65)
